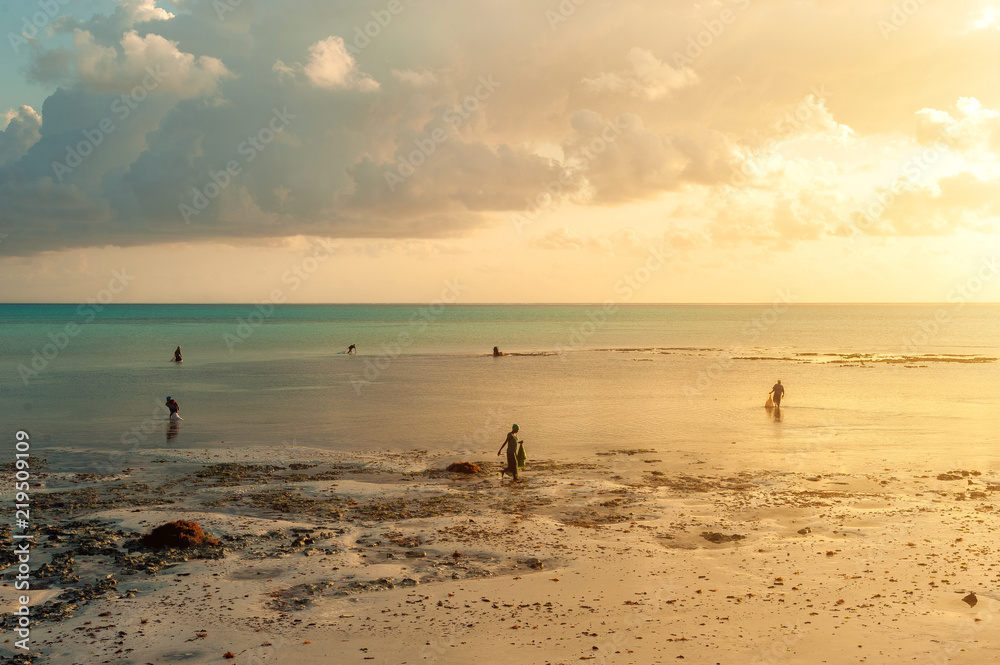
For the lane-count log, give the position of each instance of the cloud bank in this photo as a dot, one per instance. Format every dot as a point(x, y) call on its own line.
point(398, 119)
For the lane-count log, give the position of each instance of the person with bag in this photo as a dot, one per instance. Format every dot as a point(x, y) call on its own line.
point(778, 391)
point(511, 444)
point(174, 408)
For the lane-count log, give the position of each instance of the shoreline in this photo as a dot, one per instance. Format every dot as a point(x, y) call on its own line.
point(611, 559)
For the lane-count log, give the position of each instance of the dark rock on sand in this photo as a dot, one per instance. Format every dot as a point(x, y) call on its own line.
point(719, 538)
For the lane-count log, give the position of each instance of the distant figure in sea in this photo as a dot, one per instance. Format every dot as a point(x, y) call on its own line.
point(352, 349)
point(777, 392)
point(177, 356)
point(497, 352)
point(174, 408)
point(511, 443)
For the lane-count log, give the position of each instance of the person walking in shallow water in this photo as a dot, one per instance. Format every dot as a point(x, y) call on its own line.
point(777, 392)
point(177, 356)
point(174, 408)
point(511, 443)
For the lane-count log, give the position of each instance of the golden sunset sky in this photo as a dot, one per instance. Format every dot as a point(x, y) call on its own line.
point(532, 150)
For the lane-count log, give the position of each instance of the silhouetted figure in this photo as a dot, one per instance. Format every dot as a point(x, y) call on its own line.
point(777, 392)
point(352, 350)
point(511, 443)
point(496, 352)
point(177, 356)
point(174, 408)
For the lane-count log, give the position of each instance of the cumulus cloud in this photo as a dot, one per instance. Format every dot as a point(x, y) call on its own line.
point(622, 160)
point(968, 126)
point(145, 10)
point(21, 132)
point(331, 67)
point(646, 77)
point(952, 203)
point(423, 79)
point(475, 133)
point(118, 70)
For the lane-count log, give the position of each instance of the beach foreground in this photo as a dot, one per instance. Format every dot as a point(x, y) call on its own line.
point(630, 556)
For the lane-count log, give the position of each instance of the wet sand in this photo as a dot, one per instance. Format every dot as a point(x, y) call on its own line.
point(631, 556)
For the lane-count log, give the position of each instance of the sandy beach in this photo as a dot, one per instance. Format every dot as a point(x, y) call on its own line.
point(631, 556)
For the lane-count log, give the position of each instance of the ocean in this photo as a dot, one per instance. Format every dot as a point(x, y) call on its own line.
point(866, 384)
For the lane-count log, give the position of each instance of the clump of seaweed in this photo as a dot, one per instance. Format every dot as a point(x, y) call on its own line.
point(183, 534)
point(464, 467)
point(231, 473)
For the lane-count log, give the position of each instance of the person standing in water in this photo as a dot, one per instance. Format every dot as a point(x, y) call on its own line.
point(511, 443)
point(177, 355)
point(777, 392)
point(174, 408)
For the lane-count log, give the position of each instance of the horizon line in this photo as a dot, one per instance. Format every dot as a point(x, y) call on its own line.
point(518, 304)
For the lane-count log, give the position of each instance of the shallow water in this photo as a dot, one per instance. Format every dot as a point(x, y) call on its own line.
point(644, 377)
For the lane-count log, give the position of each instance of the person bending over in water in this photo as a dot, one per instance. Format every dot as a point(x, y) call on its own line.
point(777, 393)
point(177, 355)
point(174, 408)
point(511, 443)
point(352, 349)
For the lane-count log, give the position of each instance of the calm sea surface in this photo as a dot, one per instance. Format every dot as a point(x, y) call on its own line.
point(866, 384)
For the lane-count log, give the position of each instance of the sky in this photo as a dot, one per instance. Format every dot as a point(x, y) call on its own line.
point(526, 150)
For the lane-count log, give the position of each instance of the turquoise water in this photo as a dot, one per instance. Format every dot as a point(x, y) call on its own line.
point(683, 380)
